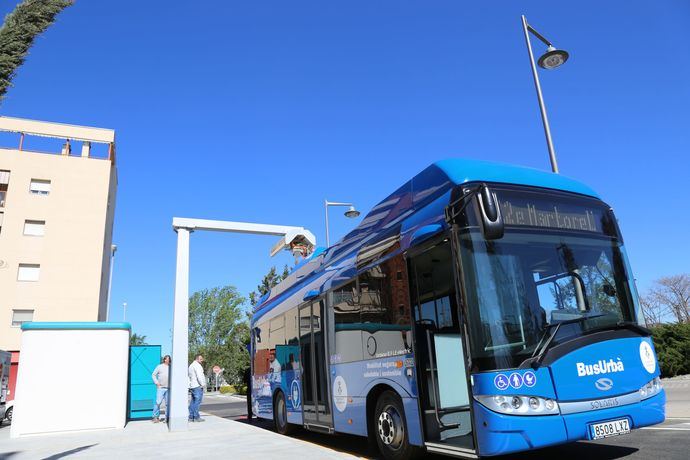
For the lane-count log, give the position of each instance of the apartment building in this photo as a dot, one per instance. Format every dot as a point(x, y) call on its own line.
point(56, 222)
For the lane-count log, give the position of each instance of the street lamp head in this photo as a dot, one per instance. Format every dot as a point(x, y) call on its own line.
point(352, 212)
point(552, 58)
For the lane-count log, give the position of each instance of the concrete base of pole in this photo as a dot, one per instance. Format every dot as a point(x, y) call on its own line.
point(178, 424)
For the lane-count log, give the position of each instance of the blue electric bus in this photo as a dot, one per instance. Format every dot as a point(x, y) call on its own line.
point(480, 309)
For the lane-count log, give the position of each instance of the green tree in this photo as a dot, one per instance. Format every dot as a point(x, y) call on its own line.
point(271, 279)
point(136, 339)
point(29, 19)
point(672, 344)
point(218, 329)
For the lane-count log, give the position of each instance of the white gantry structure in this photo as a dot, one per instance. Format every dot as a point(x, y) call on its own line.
point(296, 239)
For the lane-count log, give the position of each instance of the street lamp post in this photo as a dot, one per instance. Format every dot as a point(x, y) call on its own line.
point(351, 213)
point(550, 60)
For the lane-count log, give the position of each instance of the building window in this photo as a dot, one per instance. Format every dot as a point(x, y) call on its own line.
point(20, 317)
point(4, 182)
point(34, 227)
point(39, 187)
point(28, 272)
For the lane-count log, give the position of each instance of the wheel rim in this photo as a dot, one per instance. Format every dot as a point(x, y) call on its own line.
point(281, 412)
point(390, 427)
point(9, 414)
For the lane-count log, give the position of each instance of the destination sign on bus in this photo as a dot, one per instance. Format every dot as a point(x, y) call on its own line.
point(537, 212)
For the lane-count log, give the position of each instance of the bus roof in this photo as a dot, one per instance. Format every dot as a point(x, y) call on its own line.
point(461, 171)
point(418, 203)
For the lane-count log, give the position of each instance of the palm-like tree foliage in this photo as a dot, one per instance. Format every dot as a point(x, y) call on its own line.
point(136, 339)
point(29, 19)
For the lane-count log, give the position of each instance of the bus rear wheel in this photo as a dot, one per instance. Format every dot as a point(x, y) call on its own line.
point(390, 429)
point(280, 415)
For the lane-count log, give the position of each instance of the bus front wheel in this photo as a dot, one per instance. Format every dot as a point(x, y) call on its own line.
point(390, 429)
point(280, 415)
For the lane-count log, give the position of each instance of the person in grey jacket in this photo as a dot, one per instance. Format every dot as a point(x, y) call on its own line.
point(197, 383)
point(160, 376)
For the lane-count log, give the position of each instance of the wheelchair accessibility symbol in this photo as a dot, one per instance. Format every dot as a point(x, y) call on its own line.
point(501, 382)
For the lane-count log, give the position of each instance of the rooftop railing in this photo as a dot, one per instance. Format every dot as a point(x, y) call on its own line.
point(74, 136)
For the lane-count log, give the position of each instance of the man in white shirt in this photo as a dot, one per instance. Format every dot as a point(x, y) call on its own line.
point(197, 383)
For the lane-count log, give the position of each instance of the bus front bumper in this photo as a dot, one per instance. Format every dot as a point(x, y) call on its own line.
point(501, 434)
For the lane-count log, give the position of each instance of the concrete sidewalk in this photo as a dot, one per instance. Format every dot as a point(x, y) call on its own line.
point(677, 396)
point(215, 436)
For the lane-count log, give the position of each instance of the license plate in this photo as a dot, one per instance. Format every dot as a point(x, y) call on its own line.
point(611, 428)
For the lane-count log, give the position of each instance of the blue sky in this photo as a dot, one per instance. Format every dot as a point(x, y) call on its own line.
point(257, 111)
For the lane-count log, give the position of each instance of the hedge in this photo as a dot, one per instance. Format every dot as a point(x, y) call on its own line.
point(672, 343)
point(230, 389)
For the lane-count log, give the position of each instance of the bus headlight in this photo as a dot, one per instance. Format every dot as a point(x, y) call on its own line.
point(519, 405)
point(651, 388)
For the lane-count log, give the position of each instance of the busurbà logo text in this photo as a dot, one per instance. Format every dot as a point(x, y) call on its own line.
point(600, 367)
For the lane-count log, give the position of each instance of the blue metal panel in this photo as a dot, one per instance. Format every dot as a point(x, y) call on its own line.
point(360, 377)
point(648, 412)
point(264, 387)
point(499, 434)
point(620, 361)
point(414, 421)
point(502, 434)
point(142, 391)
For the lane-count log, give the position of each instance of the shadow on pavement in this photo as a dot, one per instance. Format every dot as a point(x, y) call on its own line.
point(356, 445)
point(69, 452)
point(345, 443)
point(578, 450)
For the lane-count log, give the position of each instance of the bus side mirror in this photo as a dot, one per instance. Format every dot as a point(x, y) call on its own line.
point(490, 212)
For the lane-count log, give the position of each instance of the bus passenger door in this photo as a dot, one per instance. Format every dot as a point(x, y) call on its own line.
point(315, 395)
point(442, 376)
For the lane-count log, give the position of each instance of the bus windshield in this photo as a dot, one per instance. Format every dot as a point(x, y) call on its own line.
point(520, 286)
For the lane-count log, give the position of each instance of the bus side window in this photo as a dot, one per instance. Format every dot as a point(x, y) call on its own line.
point(292, 362)
point(262, 352)
point(386, 311)
point(347, 324)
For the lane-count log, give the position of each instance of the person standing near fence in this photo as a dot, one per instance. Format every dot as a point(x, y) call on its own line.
point(160, 377)
point(197, 383)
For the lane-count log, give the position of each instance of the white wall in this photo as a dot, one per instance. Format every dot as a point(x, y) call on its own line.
point(71, 380)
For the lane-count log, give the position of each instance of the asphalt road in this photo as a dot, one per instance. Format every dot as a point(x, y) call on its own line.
point(670, 440)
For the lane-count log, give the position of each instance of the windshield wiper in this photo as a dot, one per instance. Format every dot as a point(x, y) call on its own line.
point(542, 354)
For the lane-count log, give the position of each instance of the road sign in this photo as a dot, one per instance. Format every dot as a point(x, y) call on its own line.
point(216, 369)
